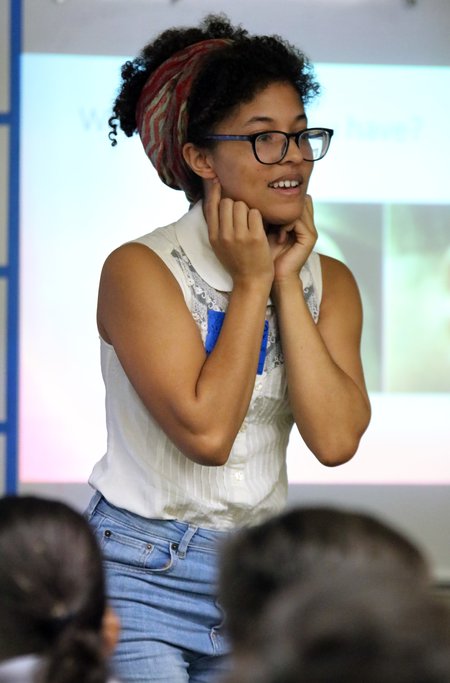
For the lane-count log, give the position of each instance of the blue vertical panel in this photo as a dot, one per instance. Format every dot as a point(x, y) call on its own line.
point(4, 204)
point(3, 351)
point(4, 56)
point(3, 376)
point(13, 251)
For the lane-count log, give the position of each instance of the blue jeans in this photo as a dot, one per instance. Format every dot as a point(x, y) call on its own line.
point(161, 580)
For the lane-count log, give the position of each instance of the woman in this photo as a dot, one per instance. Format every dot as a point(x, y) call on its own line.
point(217, 334)
point(55, 626)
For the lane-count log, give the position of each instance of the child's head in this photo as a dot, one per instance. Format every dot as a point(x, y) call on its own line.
point(260, 561)
point(348, 627)
point(52, 597)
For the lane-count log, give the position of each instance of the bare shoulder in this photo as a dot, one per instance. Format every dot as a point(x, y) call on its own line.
point(338, 281)
point(134, 265)
point(130, 258)
point(334, 270)
point(134, 280)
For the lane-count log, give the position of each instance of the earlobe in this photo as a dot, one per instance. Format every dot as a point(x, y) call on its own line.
point(199, 161)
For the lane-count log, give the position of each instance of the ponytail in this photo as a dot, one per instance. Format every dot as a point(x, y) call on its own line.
point(76, 656)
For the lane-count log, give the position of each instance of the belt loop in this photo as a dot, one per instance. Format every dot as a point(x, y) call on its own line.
point(93, 503)
point(183, 544)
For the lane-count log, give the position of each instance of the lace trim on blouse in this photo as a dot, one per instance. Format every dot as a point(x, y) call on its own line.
point(204, 298)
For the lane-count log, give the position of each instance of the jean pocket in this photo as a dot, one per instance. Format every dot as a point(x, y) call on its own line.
point(126, 547)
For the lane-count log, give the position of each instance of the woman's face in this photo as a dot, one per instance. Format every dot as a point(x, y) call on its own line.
point(242, 177)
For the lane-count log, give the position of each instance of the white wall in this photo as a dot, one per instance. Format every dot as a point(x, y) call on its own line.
point(378, 31)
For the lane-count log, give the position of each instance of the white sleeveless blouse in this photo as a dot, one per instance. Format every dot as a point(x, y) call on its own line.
point(142, 471)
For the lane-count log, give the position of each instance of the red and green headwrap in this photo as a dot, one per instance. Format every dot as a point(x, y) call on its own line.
point(161, 115)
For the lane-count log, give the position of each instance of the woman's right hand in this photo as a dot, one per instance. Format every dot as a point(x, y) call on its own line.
point(199, 400)
point(237, 237)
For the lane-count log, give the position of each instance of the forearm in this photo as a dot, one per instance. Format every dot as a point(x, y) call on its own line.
point(226, 381)
point(330, 409)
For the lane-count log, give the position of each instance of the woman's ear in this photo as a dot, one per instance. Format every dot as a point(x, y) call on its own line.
point(199, 160)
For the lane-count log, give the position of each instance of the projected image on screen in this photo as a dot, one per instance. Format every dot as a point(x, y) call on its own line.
point(353, 233)
point(379, 206)
point(418, 277)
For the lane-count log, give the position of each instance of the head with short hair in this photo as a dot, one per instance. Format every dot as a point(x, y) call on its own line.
point(259, 561)
point(52, 597)
point(349, 627)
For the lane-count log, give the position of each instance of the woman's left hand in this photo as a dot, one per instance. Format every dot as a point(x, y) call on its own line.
point(292, 244)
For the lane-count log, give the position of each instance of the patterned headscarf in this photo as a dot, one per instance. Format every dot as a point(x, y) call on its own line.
point(161, 113)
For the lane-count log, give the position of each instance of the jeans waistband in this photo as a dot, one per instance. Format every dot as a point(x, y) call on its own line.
point(181, 533)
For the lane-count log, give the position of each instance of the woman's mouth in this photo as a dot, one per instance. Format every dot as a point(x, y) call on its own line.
point(284, 184)
point(288, 184)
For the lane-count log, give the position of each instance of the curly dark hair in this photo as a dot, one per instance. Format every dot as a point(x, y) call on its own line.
point(229, 76)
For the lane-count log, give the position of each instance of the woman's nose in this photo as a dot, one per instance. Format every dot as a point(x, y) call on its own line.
point(293, 151)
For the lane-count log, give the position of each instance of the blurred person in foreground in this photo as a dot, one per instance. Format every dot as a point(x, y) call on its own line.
point(349, 627)
point(55, 626)
point(290, 548)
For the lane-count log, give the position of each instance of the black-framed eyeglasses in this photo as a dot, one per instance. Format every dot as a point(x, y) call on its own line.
point(271, 146)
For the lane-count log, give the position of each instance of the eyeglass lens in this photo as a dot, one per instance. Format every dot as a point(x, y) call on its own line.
point(271, 147)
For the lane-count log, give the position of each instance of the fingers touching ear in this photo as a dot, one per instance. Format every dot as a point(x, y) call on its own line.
point(199, 160)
